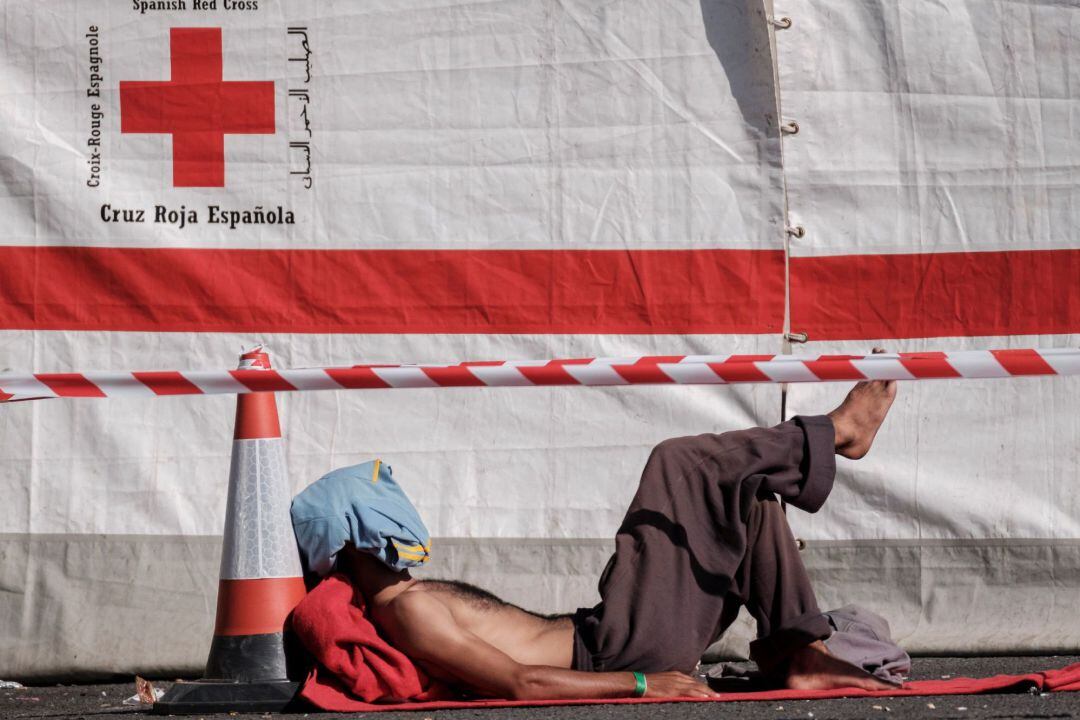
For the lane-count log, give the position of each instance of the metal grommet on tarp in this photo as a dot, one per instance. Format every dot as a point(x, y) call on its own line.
point(790, 128)
point(782, 23)
point(796, 231)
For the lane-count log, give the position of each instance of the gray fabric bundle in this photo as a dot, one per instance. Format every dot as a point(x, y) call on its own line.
point(860, 637)
point(863, 639)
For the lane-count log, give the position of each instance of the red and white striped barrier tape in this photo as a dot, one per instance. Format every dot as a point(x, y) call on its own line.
point(680, 369)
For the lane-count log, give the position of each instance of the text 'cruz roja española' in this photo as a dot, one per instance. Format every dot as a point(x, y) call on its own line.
point(183, 216)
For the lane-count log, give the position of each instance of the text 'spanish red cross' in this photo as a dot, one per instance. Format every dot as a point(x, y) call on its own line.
point(197, 107)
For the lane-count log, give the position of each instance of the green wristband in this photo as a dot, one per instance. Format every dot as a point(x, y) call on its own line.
point(640, 685)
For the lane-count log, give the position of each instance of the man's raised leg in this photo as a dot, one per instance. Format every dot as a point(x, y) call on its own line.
point(856, 422)
point(684, 536)
point(776, 590)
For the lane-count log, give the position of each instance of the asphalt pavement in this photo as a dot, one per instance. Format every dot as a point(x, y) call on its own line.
point(105, 702)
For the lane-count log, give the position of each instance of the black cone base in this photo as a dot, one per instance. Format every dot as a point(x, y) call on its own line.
point(253, 658)
point(244, 673)
point(212, 696)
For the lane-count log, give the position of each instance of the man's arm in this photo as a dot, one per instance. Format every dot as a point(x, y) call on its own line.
point(426, 631)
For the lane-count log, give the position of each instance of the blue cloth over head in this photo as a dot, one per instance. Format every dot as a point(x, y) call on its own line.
point(362, 505)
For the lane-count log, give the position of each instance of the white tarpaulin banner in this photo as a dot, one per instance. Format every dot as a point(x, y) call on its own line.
point(936, 174)
point(415, 182)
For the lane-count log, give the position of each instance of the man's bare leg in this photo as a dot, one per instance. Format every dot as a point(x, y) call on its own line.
point(856, 421)
point(860, 415)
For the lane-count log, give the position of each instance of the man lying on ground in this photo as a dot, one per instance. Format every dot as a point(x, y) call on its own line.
point(704, 536)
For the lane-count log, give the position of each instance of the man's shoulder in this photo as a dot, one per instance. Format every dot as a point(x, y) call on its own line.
point(416, 621)
point(413, 609)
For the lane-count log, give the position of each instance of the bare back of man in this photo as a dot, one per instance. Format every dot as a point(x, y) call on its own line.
point(474, 641)
point(526, 637)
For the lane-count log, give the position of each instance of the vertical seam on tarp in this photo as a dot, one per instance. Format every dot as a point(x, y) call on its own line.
point(785, 343)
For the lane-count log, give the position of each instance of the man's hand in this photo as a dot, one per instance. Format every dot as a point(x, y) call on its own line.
point(676, 684)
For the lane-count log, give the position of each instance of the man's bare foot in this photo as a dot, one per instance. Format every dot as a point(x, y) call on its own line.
point(860, 415)
point(813, 668)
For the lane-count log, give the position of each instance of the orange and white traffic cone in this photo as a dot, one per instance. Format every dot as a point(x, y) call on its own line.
point(261, 578)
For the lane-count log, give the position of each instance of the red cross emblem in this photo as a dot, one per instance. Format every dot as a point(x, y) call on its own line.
point(197, 107)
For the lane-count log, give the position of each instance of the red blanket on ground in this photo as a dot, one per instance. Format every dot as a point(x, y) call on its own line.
point(359, 671)
point(355, 666)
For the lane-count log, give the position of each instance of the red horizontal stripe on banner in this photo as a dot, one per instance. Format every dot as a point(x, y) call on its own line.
point(392, 291)
point(858, 297)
